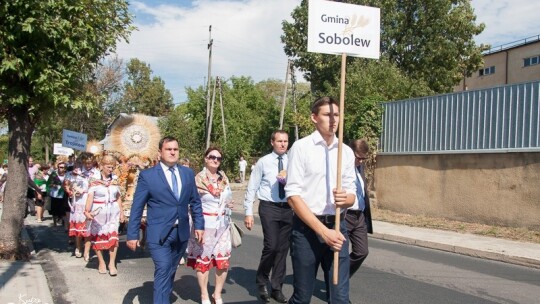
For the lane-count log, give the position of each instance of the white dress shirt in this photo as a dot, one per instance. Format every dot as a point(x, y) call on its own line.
point(263, 181)
point(360, 191)
point(168, 175)
point(312, 169)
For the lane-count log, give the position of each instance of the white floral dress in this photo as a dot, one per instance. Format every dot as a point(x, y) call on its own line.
point(216, 248)
point(79, 181)
point(104, 227)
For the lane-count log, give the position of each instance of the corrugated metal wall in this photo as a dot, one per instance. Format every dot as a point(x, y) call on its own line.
point(505, 118)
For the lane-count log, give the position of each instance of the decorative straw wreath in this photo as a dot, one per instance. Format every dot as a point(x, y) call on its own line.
point(136, 135)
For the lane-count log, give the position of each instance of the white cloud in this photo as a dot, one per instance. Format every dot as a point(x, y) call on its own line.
point(173, 40)
point(507, 21)
point(173, 37)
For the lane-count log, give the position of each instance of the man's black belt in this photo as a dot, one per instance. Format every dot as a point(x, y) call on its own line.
point(329, 218)
point(279, 204)
point(356, 212)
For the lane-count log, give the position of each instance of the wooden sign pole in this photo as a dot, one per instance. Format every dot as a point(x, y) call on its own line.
point(340, 152)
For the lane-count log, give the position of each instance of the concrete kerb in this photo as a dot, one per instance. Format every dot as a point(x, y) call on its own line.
point(24, 282)
point(523, 261)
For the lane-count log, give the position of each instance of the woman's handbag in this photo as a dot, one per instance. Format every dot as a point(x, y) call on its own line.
point(236, 235)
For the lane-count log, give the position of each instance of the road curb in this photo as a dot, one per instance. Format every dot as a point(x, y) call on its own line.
point(496, 256)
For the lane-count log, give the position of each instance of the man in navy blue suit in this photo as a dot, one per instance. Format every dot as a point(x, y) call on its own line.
point(169, 191)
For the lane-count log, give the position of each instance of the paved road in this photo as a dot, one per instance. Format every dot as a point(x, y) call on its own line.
point(393, 273)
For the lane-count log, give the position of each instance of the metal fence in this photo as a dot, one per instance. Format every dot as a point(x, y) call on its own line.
point(505, 118)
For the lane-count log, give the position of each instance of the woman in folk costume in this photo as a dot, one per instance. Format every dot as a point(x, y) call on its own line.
point(215, 250)
point(41, 178)
point(76, 186)
point(59, 201)
point(103, 209)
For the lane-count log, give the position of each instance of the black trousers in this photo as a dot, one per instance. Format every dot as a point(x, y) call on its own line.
point(276, 221)
point(357, 229)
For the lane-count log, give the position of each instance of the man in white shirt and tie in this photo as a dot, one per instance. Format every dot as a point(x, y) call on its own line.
point(311, 192)
point(267, 182)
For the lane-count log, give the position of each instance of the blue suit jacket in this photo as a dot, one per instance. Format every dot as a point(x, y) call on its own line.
point(163, 209)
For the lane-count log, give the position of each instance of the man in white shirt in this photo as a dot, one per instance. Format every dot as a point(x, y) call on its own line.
point(267, 182)
point(311, 192)
point(243, 165)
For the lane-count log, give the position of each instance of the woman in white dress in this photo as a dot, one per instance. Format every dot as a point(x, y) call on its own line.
point(103, 207)
point(215, 250)
point(76, 185)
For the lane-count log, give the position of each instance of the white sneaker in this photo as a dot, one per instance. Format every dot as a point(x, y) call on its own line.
point(182, 261)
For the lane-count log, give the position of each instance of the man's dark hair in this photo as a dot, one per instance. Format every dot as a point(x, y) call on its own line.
point(360, 146)
point(166, 139)
point(86, 156)
point(326, 100)
point(273, 137)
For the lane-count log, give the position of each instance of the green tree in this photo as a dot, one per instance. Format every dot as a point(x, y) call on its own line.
point(143, 93)
point(369, 83)
point(46, 49)
point(103, 86)
point(318, 68)
point(430, 41)
point(250, 118)
point(189, 131)
point(3, 147)
point(251, 115)
point(108, 82)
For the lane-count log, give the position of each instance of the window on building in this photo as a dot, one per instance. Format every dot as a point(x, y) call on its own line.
point(487, 71)
point(531, 61)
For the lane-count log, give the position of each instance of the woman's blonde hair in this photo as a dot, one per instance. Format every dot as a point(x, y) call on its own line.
point(108, 160)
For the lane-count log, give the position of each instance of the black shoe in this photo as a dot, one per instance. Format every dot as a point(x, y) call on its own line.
point(278, 296)
point(263, 294)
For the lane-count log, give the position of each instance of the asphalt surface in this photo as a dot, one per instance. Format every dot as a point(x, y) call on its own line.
point(53, 271)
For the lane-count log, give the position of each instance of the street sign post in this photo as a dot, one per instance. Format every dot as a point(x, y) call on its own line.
point(75, 140)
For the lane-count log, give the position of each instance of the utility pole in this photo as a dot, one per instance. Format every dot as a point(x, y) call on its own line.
point(222, 112)
point(209, 132)
point(283, 101)
point(210, 43)
point(293, 81)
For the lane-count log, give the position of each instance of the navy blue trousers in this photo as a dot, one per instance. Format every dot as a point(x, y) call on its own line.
point(308, 252)
point(166, 258)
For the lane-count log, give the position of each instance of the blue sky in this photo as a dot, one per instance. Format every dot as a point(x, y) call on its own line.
point(172, 36)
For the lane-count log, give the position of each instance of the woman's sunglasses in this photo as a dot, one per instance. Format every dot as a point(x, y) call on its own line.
point(213, 157)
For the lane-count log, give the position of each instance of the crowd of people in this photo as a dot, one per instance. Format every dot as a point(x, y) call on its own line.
point(188, 213)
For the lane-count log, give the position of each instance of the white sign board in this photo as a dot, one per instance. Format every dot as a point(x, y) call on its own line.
point(58, 149)
point(75, 140)
point(337, 28)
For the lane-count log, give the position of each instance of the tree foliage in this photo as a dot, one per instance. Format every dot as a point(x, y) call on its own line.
point(369, 83)
point(251, 115)
point(103, 86)
point(142, 92)
point(430, 41)
point(47, 48)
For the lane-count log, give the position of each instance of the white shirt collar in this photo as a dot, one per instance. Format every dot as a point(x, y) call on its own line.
point(318, 139)
point(165, 167)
